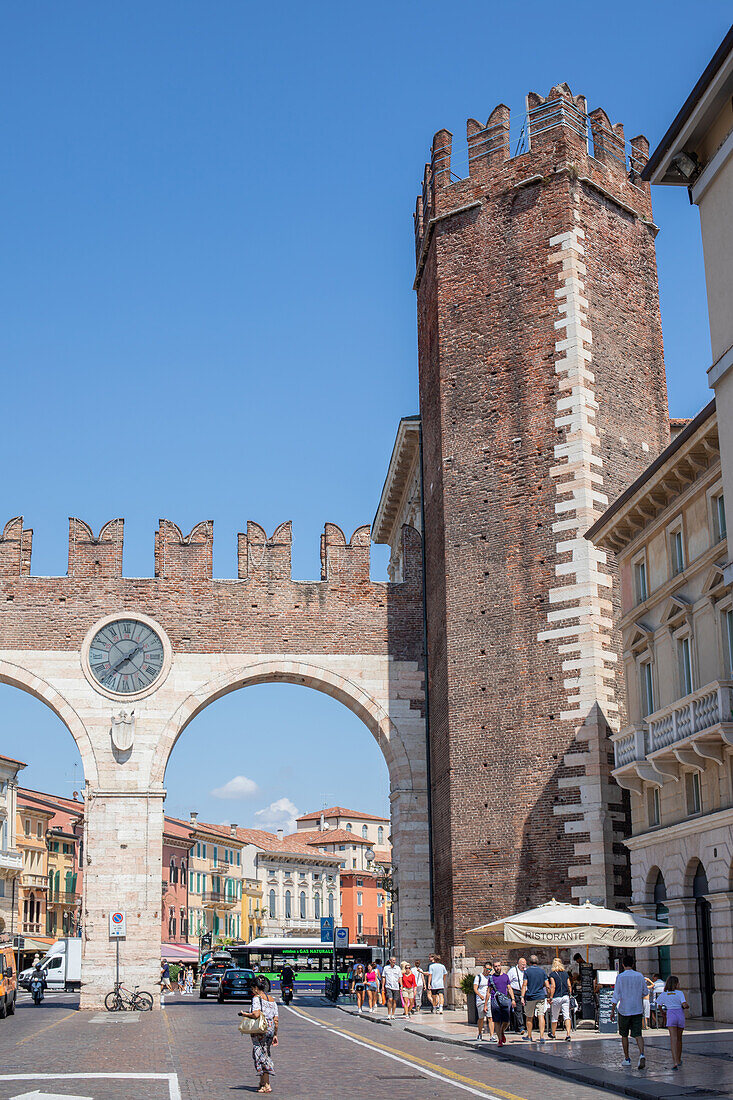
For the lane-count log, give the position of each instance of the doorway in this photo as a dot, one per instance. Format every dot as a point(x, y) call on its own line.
point(703, 927)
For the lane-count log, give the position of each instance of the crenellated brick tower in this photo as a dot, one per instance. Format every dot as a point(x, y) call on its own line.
point(542, 395)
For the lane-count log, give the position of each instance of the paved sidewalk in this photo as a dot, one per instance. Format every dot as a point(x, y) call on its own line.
point(591, 1059)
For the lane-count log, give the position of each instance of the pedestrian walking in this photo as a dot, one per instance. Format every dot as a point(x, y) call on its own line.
point(672, 1002)
point(189, 980)
point(381, 999)
point(535, 989)
point(560, 993)
point(516, 978)
point(501, 1002)
point(481, 993)
point(358, 984)
point(436, 982)
point(391, 977)
point(628, 998)
point(263, 1005)
point(165, 977)
point(408, 985)
point(419, 973)
point(657, 988)
point(371, 977)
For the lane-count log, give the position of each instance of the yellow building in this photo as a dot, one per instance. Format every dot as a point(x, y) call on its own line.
point(32, 824)
point(215, 882)
point(252, 911)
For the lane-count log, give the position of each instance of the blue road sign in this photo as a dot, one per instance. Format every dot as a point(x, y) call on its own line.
point(341, 937)
point(326, 929)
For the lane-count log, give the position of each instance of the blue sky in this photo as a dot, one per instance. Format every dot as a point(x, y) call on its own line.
point(207, 249)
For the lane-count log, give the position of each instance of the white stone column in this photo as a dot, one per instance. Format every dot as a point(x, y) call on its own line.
point(123, 847)
point(411, 873)
point(722, 929)
point(683, 952)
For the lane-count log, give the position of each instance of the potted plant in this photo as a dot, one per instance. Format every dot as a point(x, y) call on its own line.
point(467, 988)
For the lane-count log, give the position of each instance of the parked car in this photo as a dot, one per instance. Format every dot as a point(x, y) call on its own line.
point(8, 982)
point(211, 976)
point(235, 982)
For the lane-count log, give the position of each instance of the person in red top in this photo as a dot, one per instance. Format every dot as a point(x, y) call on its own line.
point(408, 986)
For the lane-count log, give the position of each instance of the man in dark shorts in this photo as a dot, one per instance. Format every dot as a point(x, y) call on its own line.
point(391, 986)
point(629, 993)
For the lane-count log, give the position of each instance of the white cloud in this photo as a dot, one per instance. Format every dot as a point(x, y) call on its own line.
point(280, 814)
point(238, 787)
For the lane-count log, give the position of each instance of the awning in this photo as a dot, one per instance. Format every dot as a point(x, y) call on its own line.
point(179, 952)
point(33, 943)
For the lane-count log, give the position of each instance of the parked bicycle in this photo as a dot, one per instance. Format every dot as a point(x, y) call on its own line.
point(121, 999)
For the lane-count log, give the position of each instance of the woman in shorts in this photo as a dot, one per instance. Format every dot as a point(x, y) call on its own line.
point(358, 985)
point(372, 986)
point(408, 985)
point(673, 1003)
point(502, 1000)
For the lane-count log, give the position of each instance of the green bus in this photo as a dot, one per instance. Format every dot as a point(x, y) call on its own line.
point(311, 960)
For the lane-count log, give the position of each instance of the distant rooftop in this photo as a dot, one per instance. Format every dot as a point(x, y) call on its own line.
point(341, 811)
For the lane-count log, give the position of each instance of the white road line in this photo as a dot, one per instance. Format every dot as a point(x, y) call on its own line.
point(174, 1090)
point(396, 1058)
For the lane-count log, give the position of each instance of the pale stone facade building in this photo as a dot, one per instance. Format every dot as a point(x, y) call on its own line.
point(11, 859)
point(675, 753)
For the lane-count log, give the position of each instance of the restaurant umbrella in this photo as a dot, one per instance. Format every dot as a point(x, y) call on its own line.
point(563, 924)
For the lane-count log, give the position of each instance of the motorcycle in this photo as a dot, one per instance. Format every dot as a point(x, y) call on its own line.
point(287, 994)
point(37, 984)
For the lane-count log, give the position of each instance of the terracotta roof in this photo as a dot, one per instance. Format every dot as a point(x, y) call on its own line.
point(10, 760)
point(341, 811)
point(63, 812)
point(174, 827)
point(220, 831)
point(53, 799)
point(331, 836)
point(259, 837)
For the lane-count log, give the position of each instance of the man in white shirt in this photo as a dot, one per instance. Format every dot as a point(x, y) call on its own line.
point(436, 982)
point(515, 974)
point(629, 994)
point(391, 986)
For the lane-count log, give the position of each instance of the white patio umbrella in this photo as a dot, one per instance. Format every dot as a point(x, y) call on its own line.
point(562, 924)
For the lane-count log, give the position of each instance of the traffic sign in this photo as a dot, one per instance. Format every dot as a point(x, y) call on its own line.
point(19, 943)
point(326, 929)
point(341, 938)
point(117, 925)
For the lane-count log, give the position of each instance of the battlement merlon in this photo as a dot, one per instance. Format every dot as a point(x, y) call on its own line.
point(16, 544)
point(189, 558)
point(556, 134)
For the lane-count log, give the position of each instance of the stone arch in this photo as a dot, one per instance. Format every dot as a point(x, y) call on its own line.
point(303, 673)
point(691, 870)
point(652, 877)
point(16, 676)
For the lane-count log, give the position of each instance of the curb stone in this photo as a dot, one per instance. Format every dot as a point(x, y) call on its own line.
point(620, 1084)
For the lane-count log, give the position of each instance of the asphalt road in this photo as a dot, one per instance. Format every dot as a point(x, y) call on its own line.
point(193, 1050)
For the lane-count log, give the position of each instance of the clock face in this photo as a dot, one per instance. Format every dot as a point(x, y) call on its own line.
point(126, 656)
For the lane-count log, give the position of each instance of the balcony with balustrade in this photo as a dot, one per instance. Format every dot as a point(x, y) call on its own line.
point(689, 732)
point(11, 861)
point(218, 899)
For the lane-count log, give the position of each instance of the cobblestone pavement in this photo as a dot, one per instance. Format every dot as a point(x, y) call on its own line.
point(192, 1050)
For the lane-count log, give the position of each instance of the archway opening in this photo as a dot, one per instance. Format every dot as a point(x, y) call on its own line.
point(299, 793)
point(661, 913)
point(703, 926)
point(41, 821)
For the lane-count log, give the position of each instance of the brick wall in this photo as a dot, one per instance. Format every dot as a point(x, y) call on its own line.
point(542, 393)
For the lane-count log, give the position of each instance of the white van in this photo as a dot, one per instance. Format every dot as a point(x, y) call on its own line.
point(61, 965)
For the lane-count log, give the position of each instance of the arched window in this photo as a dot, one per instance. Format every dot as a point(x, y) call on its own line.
point(317, 904)
point(302, 904)
point(364, 831)
point(349, 827)
point(380, 835)
point(288, 905)
point(273, 912)
point(330, 905)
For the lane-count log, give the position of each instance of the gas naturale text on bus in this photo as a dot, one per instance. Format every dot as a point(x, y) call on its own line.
point(312, 962)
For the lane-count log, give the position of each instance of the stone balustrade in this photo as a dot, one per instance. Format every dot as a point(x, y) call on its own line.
point(698, 713)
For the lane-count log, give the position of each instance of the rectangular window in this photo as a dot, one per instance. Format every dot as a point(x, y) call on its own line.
point(360, 882)
point(359, 923)
point(685, 665)
point(653, 805)
point(678, 553)
point(728, 639)
point(203, 851)
point(198, 851)
point(640, 581)
point(692, 790)
point(380, 901)
point(721, 529)
point(239, 854)
point(647, 689)
point(216, 855)
point(27, 827)
point(359, 898)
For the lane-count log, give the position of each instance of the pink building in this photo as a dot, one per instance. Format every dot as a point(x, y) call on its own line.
point(177, 844)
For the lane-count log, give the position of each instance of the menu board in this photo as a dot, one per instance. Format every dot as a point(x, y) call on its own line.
point(605, 1004)
point(587, 998)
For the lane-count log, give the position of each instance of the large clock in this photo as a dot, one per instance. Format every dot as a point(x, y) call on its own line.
point(126, 656)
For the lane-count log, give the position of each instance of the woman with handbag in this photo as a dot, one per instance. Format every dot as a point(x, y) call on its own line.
point(502, 1000)
point(261, 1023)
